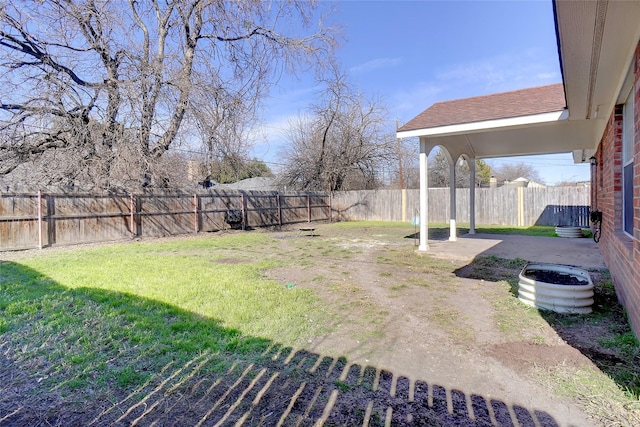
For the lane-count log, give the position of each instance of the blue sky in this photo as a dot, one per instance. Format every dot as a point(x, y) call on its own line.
point(415, 53)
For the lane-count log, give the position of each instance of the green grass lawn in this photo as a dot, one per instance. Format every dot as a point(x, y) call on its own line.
point(437, 230)
point(534, 230)
point(119, 313)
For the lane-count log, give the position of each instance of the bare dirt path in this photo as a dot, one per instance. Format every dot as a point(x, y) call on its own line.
point(415, 317)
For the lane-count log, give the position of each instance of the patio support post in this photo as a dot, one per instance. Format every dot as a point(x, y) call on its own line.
point(424, 194)
point(472, 195)
point(453, 233)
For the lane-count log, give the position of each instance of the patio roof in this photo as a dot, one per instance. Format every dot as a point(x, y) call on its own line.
point(526, 121)
point(518, 103)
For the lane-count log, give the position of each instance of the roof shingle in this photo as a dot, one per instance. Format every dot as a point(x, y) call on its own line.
point(518, 103)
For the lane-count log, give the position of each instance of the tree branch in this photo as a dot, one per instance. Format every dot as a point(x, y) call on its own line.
point(34, 51)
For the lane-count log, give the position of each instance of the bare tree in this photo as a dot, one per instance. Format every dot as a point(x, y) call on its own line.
point(224, 119)
point(439, 171)
point(512, 171)
point(406, 170)
point(343, 143)
point(94, 84)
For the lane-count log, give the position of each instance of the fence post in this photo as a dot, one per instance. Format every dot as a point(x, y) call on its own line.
point(404, 204)
point(279, 209)
point(520, 206)
point(195, 213)
point(39, 219)
point(330, 207)
point(308, 207)
point(244, 211)
point(138, 216)
point(131, 218)
point(51, 221)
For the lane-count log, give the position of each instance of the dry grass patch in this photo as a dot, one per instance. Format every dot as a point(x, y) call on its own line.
point(450, 320)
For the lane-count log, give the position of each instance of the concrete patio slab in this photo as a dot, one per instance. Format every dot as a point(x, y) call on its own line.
point(579, 252)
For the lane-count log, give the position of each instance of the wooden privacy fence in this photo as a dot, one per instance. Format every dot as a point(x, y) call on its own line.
point(39, 220)
point(510, 206)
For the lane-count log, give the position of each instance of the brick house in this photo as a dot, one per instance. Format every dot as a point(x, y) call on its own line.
point(594, 113)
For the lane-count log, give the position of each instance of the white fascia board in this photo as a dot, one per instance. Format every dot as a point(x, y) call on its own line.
point(487, 125)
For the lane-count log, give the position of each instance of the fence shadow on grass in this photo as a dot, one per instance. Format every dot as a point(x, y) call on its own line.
point(66, 360)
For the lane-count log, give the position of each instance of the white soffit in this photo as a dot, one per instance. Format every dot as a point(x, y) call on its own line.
point(550, 137)
point(487, 125)
point(597, 41)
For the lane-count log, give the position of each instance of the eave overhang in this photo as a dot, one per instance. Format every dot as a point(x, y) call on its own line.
point(596, 42)
point(487, 125)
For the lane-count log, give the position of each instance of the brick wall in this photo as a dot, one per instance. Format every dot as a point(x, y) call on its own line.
point(620, 251)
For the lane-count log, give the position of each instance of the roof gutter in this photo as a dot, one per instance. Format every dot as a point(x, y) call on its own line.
point(555, 22)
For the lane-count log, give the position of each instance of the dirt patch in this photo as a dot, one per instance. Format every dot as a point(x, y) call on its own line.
point(447, 320)
point(526, 356)
point(233, 261)
point(416, 316)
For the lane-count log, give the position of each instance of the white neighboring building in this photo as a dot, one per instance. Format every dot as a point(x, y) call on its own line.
point(524, 182)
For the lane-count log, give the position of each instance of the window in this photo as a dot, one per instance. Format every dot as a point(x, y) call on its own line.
point(628, 138)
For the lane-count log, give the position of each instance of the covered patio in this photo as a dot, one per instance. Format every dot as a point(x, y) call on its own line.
point(559, 118)
point(523, 122)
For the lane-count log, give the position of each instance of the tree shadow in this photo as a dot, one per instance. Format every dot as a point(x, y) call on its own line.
point(94, 357)
point(436, 232)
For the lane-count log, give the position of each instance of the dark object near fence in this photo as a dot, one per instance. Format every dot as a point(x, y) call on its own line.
point(233, 217)
point(596, 224)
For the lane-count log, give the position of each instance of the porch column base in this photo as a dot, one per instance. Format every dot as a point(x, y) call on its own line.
point(453, 231)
